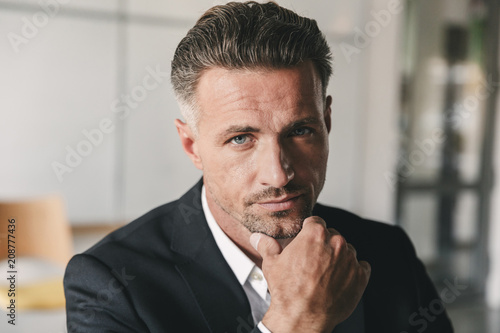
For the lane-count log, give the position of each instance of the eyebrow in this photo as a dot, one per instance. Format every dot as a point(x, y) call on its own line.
point(238, 129)
point(249, 129)
point(303, 122)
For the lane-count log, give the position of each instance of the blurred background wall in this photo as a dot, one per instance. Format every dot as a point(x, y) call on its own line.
point(87, 111)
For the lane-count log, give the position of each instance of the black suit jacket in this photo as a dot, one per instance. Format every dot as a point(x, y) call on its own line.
point(164, 273)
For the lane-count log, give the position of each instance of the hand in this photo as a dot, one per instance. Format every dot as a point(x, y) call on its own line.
point(315, 282)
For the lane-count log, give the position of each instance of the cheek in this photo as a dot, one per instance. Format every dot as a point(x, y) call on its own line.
point(231, 173)
point(310, 161)
point(240, 169)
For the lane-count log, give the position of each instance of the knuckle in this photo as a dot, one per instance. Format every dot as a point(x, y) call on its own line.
point(333, 232)
point(363, 273)
point(338, 242)
point(316, 220)
point(317, 232)
point(367, 268)
point(352, 249)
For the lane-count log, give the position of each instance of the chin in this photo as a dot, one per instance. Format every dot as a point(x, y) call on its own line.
point(277, 226)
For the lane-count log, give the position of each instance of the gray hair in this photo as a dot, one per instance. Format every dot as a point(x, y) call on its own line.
point(247, 35)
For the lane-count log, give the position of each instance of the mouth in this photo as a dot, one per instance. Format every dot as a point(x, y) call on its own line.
point(280, 204)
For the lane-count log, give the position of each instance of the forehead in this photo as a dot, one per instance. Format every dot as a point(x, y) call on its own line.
point(227, 95)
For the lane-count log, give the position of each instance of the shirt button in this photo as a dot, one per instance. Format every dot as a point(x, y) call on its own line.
point(256, 276)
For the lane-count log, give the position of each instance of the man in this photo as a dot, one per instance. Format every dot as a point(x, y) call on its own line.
point(247, 248)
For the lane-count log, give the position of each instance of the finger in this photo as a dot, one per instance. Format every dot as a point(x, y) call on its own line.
point(366, 267)
point(351, 248)
point(314, 229)
point(314, 219)
point(337, 241)
point(333, 232)
point(265, 245)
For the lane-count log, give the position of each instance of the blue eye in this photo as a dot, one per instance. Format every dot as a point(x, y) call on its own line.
point(301, 131)
point(239, 140)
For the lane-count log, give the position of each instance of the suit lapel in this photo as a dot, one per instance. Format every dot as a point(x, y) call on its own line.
point(213, 284)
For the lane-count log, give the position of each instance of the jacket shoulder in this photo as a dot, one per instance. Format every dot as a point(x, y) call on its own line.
point(356, 228)
point(380, 244)
point(140, 229)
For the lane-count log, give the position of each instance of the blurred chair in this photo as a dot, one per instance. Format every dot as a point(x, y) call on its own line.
point(42, 229)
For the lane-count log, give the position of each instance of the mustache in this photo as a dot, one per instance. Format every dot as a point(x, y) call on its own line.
point(275, 192)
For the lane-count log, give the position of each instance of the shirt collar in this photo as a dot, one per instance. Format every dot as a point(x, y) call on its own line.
point(240, 264)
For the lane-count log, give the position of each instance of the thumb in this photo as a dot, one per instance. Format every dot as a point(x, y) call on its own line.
point(265, 245)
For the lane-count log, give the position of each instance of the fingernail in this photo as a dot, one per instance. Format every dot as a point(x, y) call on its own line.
point(254, 240)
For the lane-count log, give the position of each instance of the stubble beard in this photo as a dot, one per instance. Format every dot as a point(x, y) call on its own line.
point(279, 225)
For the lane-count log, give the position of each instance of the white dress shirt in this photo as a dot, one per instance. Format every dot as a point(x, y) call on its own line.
point(248, 274)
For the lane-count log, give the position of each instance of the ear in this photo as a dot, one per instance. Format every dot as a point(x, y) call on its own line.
point(328, 113)
point(189, 143)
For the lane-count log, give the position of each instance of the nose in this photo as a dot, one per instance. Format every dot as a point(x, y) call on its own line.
point(274, 166)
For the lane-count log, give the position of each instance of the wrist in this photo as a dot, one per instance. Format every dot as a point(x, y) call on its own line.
point(279, 321)
point(285, 322)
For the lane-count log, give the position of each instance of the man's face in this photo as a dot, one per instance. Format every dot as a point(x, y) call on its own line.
point(263, 145)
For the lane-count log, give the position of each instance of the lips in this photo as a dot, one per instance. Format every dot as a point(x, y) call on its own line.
point(280, 204)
